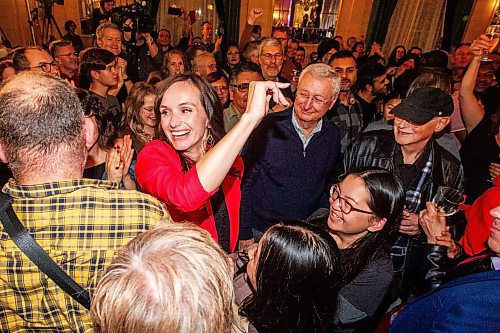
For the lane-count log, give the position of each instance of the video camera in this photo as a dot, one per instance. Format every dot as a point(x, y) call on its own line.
point(137, 12)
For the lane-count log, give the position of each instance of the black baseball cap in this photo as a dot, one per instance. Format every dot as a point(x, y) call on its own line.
point(423, 105)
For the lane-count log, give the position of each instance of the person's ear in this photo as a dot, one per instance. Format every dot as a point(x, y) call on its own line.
point(94, 74)
point(89, 129)
point(442, 123)
point(3, 157)
point(368, 87)
point(231, 93)
point(332, 103)
point(99, 42)
point(376, 224)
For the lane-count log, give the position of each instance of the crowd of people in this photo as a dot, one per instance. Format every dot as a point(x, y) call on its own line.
point(250, 187)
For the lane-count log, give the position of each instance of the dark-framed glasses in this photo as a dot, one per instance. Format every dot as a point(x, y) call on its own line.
point(344, 204)
point(46, 67)
point(242, 87)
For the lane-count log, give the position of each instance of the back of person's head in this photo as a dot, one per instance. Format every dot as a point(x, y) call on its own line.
point(170, 279)
point(20, 60)
point(55, 45)
point(326, 45)
point(386, 201)
point(429, 79)
point(251, 50)
point(243, 67)
point(297, 280)
point(106, 127)
point(283, 29)
point(94, 59)
point(434, 60)
point(368, 73)
point(41, 124)
point(193, 50)
point(343, 54)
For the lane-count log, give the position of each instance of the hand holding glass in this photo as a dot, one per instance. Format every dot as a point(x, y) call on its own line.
point(493, 32)
point(447, 200)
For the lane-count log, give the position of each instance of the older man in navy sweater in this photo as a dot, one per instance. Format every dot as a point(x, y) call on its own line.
point(290, 157)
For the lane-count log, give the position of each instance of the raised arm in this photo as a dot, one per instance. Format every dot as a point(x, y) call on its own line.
point(472, 111)
point(215, 165)
point(253, 15)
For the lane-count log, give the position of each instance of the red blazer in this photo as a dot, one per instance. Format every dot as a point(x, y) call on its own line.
point(159, 173)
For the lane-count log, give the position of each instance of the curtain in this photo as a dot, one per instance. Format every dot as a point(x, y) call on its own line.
point(380, 17)
point(416, 23)
point(455, 24)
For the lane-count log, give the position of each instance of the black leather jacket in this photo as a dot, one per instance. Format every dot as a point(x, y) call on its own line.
point(376, 149)
point(437, 268)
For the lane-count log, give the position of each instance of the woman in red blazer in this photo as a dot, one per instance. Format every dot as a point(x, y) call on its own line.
point(196, 171)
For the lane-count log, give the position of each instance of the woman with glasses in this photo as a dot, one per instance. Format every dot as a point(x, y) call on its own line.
point(139, 117)
point(363, 219)
point(288, 282)
point(196, 171)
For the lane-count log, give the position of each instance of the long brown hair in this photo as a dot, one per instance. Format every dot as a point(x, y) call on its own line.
point(133, 105)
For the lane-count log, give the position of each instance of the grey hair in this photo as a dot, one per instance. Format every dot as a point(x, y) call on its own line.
point(270, 41)
point(325, 72)
point(41, 121)
point(174, 278)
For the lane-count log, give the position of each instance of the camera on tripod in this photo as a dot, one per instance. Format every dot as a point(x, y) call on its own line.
point(137, 12)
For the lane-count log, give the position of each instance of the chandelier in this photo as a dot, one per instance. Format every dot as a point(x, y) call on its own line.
point(306, 4)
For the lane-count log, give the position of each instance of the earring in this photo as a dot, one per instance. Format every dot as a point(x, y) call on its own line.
point(210, 139)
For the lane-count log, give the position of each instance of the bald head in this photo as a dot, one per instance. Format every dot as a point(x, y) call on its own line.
point(41, 123)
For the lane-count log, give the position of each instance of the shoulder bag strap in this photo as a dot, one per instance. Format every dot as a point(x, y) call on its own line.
point(37, 255)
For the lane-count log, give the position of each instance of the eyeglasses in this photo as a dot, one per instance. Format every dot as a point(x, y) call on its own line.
point(270, 56)
point(242, 87)
point(317, 101)
point(74, 54)
point(344, 205)
point(220, 88)
point(46, 67)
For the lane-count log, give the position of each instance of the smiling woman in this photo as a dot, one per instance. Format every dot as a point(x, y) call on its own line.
point(195, 171)
point(365, 212)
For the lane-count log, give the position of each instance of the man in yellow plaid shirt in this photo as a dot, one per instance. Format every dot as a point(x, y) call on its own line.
point(81, 223)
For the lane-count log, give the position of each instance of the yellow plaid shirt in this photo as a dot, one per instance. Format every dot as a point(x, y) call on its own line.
point(81, 223)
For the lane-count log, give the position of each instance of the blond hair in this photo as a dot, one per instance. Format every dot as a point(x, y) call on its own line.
point(99, 33)
point(174, 278)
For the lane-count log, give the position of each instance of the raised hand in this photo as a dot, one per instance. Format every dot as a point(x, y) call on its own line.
point(253, 15)
point(432, 223)
point(259, 95)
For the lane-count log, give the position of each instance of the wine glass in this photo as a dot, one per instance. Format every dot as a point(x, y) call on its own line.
point(493, 31)
point(447, 200)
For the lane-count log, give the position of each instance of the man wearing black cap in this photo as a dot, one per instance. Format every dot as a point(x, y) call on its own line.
point(410, 151)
